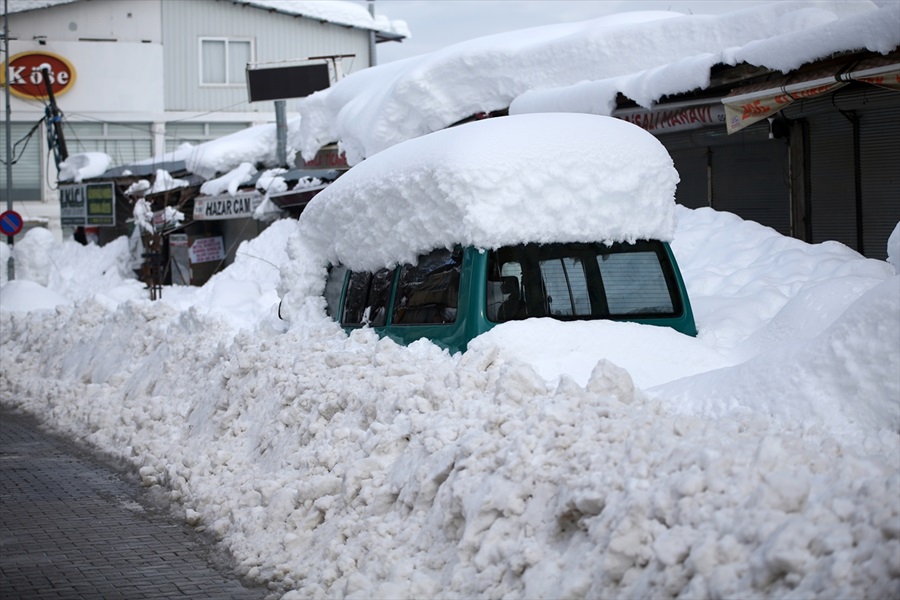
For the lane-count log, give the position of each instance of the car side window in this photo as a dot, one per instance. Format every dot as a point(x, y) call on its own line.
point(367, 298)
point(581, 281)
point(428, 292)
point(334, 286)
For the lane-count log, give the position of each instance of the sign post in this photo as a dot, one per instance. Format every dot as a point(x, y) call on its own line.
point(10, 225)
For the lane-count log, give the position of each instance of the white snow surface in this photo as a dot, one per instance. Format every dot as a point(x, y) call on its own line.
point(761, 458)
point(580, 67)
point(502, 181)
point(335, 11)
point(84, 166)
point(332, 11)
point(598, 459)
point(226, 155)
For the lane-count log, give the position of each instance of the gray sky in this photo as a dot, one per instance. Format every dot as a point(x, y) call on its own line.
point(435, 24)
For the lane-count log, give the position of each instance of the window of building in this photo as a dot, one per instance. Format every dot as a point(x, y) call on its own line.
point(125, 143)
point(224, 61)
point(26, 171)
point(181, 132)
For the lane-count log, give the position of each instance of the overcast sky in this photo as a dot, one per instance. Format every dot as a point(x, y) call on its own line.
point(435, 24)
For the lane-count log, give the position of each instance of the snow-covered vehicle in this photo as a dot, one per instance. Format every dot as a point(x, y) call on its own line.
point(550, 215)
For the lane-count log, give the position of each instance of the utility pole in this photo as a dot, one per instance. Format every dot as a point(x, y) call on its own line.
point(373, 60)
point(54, 123)
point(11, 263)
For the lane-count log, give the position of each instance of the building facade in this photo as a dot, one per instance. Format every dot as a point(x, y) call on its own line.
point(143, 77)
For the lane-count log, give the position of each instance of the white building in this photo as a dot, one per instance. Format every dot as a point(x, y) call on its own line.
point(137, 78)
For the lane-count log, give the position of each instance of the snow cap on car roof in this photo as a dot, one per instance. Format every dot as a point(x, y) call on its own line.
point(528, 178)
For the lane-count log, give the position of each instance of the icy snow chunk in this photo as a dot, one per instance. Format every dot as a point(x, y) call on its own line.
point(84, 166)
point(893, 248)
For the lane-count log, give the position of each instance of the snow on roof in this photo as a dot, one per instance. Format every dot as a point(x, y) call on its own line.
point(581, 67)
point(16, 6)
point(256, 145)
point(334, 11)
point(84, 166)
point(331, 11)
point(502, 181)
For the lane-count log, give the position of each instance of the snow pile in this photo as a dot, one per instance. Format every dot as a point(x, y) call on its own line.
point(67, 272)
point(164, 182)
point(226, 155)
point(580, 67)
point(230, 181)
point(893, 249)
point(349, 466)
point(84, 166)
point(491, 183)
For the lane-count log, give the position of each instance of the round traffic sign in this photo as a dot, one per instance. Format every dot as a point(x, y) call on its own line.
point(10, 223)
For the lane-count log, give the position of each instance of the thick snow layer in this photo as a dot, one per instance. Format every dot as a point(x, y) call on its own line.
point(580, 67)
point(503, 181)
point(340, 12)
point(760, 459)
point(226, 155)
point(84, 166)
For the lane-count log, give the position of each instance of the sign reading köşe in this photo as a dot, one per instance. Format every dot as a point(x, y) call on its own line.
point(26, 74)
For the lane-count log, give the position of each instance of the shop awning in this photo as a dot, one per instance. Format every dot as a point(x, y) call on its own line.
point(751, 104)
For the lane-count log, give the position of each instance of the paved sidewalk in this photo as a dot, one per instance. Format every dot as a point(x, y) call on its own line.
point(73, 527)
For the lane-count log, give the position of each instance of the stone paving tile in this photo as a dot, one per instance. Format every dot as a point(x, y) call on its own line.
point(71, 527)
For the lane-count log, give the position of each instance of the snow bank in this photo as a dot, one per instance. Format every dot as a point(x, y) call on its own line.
point(348, 466)
point(533, 178)
point(70, 271)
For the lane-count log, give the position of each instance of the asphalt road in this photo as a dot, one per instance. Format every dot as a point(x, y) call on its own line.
point(74, 525)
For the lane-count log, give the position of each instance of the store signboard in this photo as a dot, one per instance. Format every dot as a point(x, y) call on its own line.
point(206, 249)
point(328, 157)
point(88, 204)
point(30, 72)
point(226, 206)
point(282, 83)
point(664, 119)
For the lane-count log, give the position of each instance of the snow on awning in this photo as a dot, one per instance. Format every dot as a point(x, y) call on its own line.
point(755, 103)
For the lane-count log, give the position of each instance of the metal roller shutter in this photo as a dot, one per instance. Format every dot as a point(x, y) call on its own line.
point(750, 178)
point(749, 173)
point(879, 152)
point(26, 173)
point(832, 180)
point(692, 190)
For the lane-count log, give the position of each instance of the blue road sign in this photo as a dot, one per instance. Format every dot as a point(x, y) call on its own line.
point(10, 223)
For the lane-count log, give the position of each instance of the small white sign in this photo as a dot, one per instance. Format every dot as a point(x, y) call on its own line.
point(208, 249)
point(226, 206)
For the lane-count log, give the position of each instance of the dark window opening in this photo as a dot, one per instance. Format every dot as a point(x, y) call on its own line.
point(428, 292)
point(367, 298)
